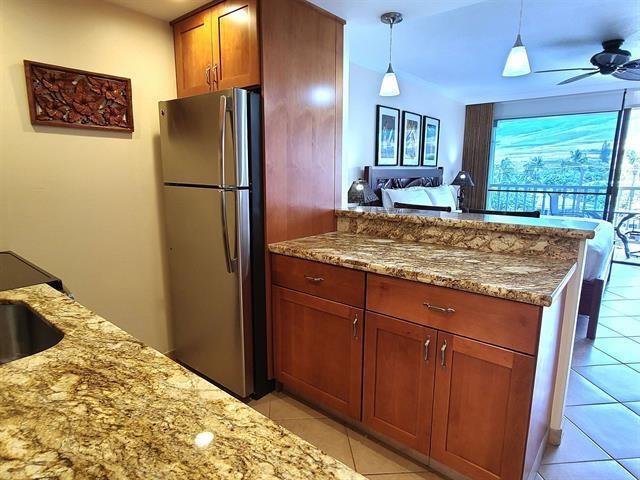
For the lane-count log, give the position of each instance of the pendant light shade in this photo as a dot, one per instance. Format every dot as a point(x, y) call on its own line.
point(518, 61)
point(389, 86)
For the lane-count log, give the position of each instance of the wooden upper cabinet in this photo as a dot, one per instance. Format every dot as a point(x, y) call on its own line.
point(236, 61)
point(194, 54)
point(481, 408)
point(318, 349)
point(399, 362)
point(217, 48)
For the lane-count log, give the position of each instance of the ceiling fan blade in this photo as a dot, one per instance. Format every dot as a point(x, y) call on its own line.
point(629, 71)
point(579, 77)
point(564, 70)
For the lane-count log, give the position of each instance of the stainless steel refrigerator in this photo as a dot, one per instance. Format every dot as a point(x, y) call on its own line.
point(210, 148)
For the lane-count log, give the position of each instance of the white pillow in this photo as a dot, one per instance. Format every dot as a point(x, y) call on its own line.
point(413, 195)
point(442, 196)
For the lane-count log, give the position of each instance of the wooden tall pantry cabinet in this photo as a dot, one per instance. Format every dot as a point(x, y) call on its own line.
point(290, 51)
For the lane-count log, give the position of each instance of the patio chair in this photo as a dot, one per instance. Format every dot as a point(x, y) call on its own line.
point(624, 235)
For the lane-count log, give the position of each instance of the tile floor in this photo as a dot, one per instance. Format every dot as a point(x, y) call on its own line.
point(602, 418)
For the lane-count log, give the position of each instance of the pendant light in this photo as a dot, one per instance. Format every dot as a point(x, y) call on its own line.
point(389, 87)
point(517, 61)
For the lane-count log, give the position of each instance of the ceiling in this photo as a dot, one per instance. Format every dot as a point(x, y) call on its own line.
point(461, 45)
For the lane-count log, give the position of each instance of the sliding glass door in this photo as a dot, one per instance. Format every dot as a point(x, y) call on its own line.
point(625, 214)
point(557, 164)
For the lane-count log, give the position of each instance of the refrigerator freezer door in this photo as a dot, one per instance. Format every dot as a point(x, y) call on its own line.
point(211, 303)
point(197, 133)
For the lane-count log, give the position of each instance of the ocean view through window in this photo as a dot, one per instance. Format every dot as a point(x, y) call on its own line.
point(557, 164)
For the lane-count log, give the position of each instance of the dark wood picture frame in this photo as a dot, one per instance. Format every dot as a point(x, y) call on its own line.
point(428, 160)
point(408, 161)
point(394, 113)
point(68, 97)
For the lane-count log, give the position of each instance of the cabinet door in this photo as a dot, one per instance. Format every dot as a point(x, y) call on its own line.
point(399, 359)
point(481, 408)
point(235, 45)
point(318, 349)
point(194, 54)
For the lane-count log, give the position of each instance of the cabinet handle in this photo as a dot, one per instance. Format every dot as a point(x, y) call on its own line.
point(426, 348)
point(207, 74)
point(215, 74)
point(435, 308)
point(314, 279)
point(443, 355)
point(355, 327)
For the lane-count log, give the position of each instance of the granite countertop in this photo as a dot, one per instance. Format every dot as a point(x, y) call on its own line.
point(101, 404)
point(552, 226)
point(527, 279)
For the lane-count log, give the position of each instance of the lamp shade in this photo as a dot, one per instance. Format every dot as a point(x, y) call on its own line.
point(389, 87)
point(517, 61)
point(463, 179)
point(360, 192)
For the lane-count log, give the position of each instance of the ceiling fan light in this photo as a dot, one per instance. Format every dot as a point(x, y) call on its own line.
point(518, 61)
point(389, 87)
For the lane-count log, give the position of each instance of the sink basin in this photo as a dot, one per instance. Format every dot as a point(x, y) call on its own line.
point(23, 332)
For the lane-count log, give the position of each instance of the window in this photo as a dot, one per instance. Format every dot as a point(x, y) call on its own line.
point(559, 164)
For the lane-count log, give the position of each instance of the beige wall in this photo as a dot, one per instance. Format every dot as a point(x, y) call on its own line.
point(84, 205)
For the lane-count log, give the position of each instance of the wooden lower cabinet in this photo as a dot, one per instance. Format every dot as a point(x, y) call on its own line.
point(399, 363)
point(481, 408)
point(318, 349)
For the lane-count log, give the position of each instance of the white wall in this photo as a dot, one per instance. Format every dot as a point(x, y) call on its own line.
point(415, 96)
point(85, 205)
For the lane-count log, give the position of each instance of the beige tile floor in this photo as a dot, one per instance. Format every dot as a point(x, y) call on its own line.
point(602, 418)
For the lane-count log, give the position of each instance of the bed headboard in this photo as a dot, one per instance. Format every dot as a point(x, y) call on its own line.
point(400, 177)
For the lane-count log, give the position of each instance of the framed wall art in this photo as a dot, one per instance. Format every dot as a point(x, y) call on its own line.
point(411, 134)
point(66, 97)
point(430, 139)
point(387, 135)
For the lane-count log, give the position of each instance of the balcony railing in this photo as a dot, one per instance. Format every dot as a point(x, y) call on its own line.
point(565, 200)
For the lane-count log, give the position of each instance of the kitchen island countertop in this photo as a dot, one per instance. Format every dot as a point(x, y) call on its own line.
point(528, 279)
point(101, 404)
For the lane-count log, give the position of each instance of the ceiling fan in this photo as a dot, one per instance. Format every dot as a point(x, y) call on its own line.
point(611, 61)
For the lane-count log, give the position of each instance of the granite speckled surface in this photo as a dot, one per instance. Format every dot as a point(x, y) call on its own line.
point(552, 226)
point(528, 279)
point(477, 239)
point(100, 404)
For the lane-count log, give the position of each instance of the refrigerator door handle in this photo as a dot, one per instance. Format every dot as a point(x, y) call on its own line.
point(223, 133)
point(231, 262)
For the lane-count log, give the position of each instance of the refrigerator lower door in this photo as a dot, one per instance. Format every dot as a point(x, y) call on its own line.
point(210, 282)
point(204, 139)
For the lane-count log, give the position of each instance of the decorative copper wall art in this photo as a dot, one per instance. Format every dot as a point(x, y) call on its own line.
point(66, 97)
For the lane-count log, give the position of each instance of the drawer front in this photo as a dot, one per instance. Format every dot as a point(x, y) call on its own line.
point(339, 284)
point(493, 320)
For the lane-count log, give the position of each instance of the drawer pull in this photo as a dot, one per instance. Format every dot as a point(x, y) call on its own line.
point(443, 355)
point(314, 279)
point(355, 327)
point(435, 308)
point(426, 348)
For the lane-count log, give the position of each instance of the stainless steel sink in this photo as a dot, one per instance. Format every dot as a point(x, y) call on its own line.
point(23, 332)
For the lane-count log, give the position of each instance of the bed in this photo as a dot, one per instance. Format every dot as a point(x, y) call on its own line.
point(599, 249)
point(597, 270)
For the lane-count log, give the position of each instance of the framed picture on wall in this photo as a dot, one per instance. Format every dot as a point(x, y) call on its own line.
point(387, 135)
point(430, 139)
point(411, 134)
